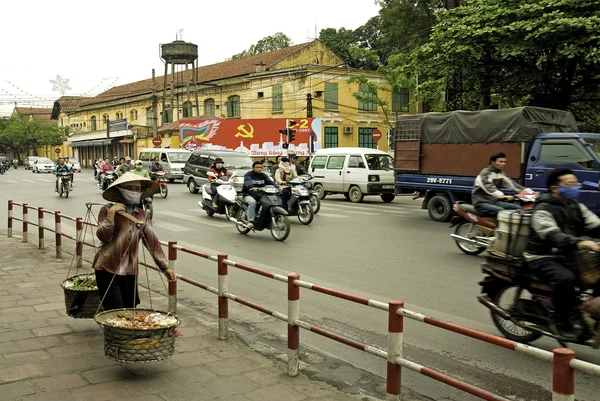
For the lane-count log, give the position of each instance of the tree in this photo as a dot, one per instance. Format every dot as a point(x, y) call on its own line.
point(512, 52)
point(19, 134)
point(339, 41)
point(266, 44)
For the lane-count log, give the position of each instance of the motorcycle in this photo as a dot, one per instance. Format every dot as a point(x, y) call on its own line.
point(15, 164)
point(520, 305)
point(64, 184)
point(162, 182)
point(269, 214)
point(106, 179)
point(315, 201)
point(228, 199)
point(474, 231)
point(146, 205)
point(2, 169)
point(299, 201)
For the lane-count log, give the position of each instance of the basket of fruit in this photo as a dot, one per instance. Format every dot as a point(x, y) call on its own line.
point(138, 335)
point(82, 299)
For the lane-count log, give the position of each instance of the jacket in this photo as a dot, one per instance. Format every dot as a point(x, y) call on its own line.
point(557, 227)
point(61, 169)
point(218, 172)
point(107, 168)
point(281, 175)
point(255, 180)
point(119, 243)
point(141, 173)
point(488, 184)
point(155, 167)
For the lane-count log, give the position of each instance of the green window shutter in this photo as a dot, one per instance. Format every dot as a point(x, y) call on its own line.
point(367, 105)
point(331, 137)
point(331, 95)
point(365, 138)
point(400, 100)
point(277, 97)
point(209, 107)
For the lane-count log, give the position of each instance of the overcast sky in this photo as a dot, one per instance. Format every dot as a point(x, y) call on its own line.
point(96, 45)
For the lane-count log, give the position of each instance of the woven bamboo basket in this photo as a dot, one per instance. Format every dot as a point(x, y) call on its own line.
point(136, 345)
point(80, 304)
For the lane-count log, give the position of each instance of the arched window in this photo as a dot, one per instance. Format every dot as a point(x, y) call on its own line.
point(233, 106)
point(93, 120)
point(105, 119)
point(133, 115)
point(166, 114)
point(209, 107)
point(187, 109)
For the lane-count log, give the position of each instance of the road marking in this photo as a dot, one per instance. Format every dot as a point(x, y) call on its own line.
point(170, 227)
point(200, 221)
point(29, 181)
point(330, 215)
point(11, 182)
point(362, 213)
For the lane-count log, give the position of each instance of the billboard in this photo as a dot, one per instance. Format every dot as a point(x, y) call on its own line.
point(255, 137)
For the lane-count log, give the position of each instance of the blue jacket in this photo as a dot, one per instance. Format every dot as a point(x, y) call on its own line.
point(255, 180)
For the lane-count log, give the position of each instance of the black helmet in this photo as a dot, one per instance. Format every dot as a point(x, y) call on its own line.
point(218, 160)
point(285, 159)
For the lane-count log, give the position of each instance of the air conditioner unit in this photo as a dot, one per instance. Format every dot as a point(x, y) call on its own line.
point(348, 130)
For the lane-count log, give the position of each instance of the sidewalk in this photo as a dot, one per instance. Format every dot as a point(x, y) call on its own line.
point(47, 356)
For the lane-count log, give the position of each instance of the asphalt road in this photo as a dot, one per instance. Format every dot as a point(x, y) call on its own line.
point(374, 250)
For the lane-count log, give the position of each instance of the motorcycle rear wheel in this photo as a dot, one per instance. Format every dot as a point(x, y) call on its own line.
point(280, 228)
point(164, 191)
point(305, 214)
point(470, 231)
point(315, 202)
point(66, 190)
point(240, 216)
point(504, 298)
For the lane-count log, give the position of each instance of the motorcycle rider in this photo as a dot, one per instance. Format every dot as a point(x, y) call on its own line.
point(105, 169)
point(155, 167)
point(115, 162)
point(284, 173)
point(139, 169)
point(275, 165)
point(218, 168)
point(15, 163)
point(487, 195)
point(125, 166)
point(253, 181)
point(61, 167)
point(295, 165)
point(558, 223)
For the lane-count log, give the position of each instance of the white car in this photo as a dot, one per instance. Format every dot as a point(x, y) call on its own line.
point(43, 165)
point(29, 162)
point(74, 163)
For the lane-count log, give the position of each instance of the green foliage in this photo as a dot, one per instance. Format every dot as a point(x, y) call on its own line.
point(372, 93)
point(266, 44)
point(19, 134)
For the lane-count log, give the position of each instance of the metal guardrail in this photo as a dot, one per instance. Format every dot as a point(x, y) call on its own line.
point(563, 359)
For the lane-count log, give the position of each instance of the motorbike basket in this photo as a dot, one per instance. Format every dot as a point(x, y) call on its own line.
point(80, 304)
point(586, 264)
point(136, 345)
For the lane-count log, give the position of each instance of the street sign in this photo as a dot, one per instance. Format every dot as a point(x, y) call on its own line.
point(156, 141)
point(57, 150)
point(376, 135)
point(117, 125)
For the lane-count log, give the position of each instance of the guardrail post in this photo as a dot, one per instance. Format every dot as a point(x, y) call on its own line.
point(24, 222)
point(293, 330)
point(395, 341)
point(57, 234)
point(10, 217)
point(41, 228)
point(172, 284)
point(223, 302)
point(563, 376)
point(78, 242)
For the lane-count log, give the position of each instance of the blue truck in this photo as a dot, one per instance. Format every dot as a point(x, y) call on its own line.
point(437, 156)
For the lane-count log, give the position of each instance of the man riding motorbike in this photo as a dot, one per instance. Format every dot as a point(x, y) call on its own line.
point(218, 168)
point(296, 166)
point(61, 167)
point(155, 167)
point(487, 196)
point(284, 173)
point(558, 223)
point(105, 169)
point(253, 181)
point(124, 167)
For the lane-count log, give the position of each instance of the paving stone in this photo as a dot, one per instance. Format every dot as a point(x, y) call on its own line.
point(154, 383)
point(146, 397)
point(60, 321)
point(235, 397)
point(50, 331)
point(29, 324)
point(151, 369)
point(15, 335)
point(100, 359)
point(226, 386)
point(68, 364)
point(190, 375)
point(60, 382)
point(20, 372)
point(106, 374)
point(18, 310)
point(231, 367)
point(194, 358)
point(39, 342)
point(277, 392)
point(193, 392)
point(12, 318)
point(4, 298)
point(8, 304)
point(99, 392)
point(18, 389)
point(43, 315)
point(63, 395)
point(50, 306)
point(28, 357)
point(83, 337)
point(30, 284)
point(70, 350)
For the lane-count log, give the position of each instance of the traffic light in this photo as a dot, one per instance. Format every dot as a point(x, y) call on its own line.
point(290, 135)
point(291, 123)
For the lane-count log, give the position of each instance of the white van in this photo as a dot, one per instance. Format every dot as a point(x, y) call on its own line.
point(354, 172)
point(172, 160)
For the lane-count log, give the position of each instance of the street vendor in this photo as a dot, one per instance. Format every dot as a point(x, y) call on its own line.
point(121, 226)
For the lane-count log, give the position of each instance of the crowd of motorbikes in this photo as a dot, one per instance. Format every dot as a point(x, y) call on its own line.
point(303, 203)
point(6, 164)
point(520, 303)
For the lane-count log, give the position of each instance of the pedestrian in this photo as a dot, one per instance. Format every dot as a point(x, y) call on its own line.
point(121, 226)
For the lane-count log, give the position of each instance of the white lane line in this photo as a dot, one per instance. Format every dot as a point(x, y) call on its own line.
point(330, 215)
point(205, 221)
point(170, 227)
point(29, 181)
point(362, 213)
point(11, 182)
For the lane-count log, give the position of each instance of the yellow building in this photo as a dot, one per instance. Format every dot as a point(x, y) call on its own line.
point(279, 84)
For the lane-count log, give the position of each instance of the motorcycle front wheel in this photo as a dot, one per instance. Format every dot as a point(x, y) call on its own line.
point(315, 202)
point(470, 231)
point(164, 191)
point(66, 190)
point(241, 215)
point(505, 298)
point(280, 228)
point(305, 214)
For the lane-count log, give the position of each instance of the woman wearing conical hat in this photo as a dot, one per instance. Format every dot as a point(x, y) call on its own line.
point(121, 226)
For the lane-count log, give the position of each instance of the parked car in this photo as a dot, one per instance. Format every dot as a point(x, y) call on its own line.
point(172, 160)
point(29, 160)
point(43, 165)
point(75, 166)
point(197, 166)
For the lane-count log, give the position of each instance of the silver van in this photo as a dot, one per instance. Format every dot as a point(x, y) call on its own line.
point(354, 172)
point(172, 160)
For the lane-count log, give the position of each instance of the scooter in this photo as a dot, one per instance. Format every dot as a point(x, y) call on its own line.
point(315, 201)
point(147, 205)
point(269, 214)
point(106, 179)
point(227, 204)
point(475, 231)
point(299, 201)
point(15, 164)
point(64, 184)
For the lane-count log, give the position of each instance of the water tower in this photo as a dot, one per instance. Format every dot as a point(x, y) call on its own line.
point(180, 55)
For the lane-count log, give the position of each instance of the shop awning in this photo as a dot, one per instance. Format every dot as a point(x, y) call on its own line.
point(95, 142)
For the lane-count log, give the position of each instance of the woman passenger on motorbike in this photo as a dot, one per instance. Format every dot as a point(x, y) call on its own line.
point(283, 175)
point(218, 169)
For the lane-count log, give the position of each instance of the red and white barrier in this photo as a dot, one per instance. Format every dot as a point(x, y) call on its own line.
point(223, 302)
point(293, 329)
point(172, 286)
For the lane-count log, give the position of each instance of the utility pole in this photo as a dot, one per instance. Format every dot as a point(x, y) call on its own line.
point(154, 106)
point(309, 110)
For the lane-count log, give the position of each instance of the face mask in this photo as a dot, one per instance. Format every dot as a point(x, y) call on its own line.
point(569, 191)
point(285, 164)
point(138, 167)
point(130, 197)
point(219, 165)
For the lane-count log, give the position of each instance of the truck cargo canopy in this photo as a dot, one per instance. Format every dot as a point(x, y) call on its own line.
point(487, 126)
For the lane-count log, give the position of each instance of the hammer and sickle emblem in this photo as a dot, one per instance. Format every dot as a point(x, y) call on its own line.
point(245, 133)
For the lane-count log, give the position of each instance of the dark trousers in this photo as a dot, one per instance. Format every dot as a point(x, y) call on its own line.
point(215, 195)
point(119, 293)
point(492, 209)
point(562, 281)
point(286, 193)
